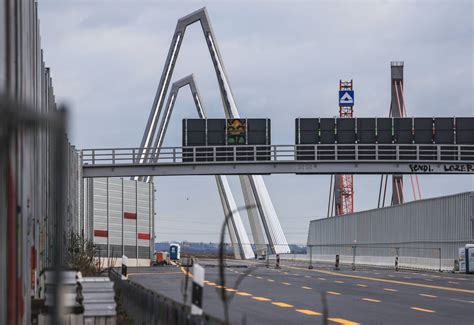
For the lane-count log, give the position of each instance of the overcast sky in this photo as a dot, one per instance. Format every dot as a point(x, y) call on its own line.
point(284, 60)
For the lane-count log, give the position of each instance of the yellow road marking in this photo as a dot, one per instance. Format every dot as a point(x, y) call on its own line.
point(342, 321)
point(334, 293)
point(285, 272)
point(261, 299)
point(285, 305)
point(210, 283)
point(307, 276)
point(337, 281)
point(250, 275)
point(270, 280)
point(429, 296)
point(322, 279)
point(259, 277)
point(388, 289)
point(361, 285)
point(219, 287)
point(230, 290)
point(421, 309)
point(371, 300)
point(286, 283)
point(415, 284)
point(307, 288)
point(308, 312)
point(282, 304)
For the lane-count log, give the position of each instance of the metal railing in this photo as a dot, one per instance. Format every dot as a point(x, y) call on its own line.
point(144, 306)
point(285, 153)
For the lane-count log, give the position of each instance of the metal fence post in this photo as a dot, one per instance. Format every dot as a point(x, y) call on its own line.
point(397, 253)
point(353, 258)
point(439, 259)
point(310, 257)
point(268, 257)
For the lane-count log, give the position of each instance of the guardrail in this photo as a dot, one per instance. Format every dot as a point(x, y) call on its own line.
point(144, 306)
point(284, 153)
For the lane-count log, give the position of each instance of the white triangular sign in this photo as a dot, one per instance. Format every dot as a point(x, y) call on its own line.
point(346, 99)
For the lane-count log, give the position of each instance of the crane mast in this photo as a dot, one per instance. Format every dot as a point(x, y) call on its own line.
point(344, 184)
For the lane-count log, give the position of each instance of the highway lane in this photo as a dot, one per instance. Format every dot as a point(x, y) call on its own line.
point(292, 294)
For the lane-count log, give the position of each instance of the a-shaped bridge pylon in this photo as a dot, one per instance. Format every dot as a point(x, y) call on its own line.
point(238, 235)
point(255, 191)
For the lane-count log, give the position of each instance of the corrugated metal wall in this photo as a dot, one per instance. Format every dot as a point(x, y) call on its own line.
point(418, 228)
point(120, 212)
point(27, 170)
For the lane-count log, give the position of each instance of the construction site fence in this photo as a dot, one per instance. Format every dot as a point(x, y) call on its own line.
point(389, 256)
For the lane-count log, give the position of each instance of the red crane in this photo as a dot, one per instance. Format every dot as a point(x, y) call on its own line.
point(345, 183)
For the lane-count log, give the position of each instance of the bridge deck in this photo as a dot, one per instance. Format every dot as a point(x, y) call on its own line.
point(282, 159)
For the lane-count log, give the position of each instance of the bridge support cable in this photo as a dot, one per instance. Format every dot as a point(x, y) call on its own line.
point(405, 112)
point(237, 233)
point(269, 217)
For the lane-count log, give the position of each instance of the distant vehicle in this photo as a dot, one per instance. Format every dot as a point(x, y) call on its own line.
point(161, 258)
point(175, 252)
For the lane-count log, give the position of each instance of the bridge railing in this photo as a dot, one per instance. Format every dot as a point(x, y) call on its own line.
point(282, 153)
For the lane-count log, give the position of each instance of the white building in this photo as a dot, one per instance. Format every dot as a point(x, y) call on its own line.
point(119, 218)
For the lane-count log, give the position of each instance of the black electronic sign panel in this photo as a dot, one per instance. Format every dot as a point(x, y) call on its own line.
point(345, 130)
point(444, 130)
point(307, 131)
point(327, 130)
point(366, 130)
point(215, 132)
point(200, 136)
point(403, 130)
point(423, 130)
point(465, 130)
point(384, 130)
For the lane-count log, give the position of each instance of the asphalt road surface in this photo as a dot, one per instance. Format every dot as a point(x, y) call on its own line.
point(294, 294)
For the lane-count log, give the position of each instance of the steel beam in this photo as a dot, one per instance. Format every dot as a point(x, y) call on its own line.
point(278, 167)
